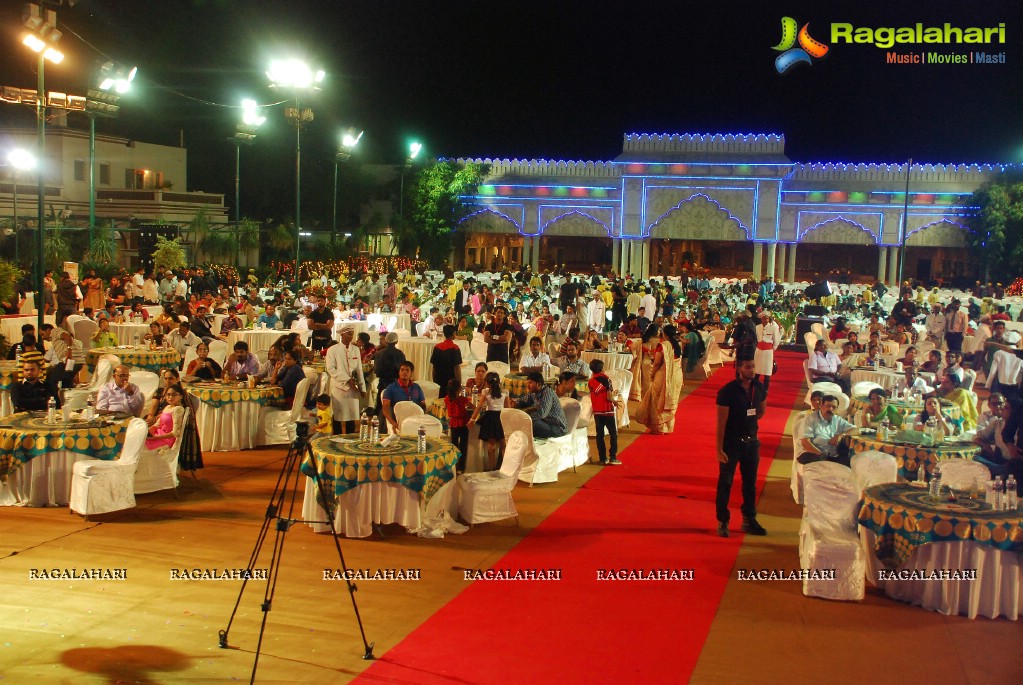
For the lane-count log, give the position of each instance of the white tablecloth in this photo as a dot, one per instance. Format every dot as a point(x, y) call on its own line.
point(44, 481)
point(612, 360)
point(884, 377)
point(11, 326)
point(125, 332)
point(230, 427)
point(419, 350)
point(259, 340)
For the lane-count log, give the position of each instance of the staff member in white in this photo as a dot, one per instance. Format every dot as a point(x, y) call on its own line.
point(768, 340)
point(347, 383)
point(595, 313)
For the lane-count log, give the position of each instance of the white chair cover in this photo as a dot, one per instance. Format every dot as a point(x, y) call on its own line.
point(555, 455)
point(873, 468)
point(404, 410)
point(76, 398)
point(147, 382)
point(477, 348)
point(621, 380)
point(796, 478)
point(517, 420)
point(863, 388)
point(827, 535)
point(410, 426)
point(84, 330)
point(431, 391)
point(190, 356)
point(99, 486)
point(500, 368)
point(277, 426)
point(811, 341)
point(218, 351)
point(487, 496)
point(158, 469)
point(960, 474)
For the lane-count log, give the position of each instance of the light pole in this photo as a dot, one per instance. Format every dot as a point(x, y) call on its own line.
point(21, 160)
point(344, 152)
point(114, 81)
point(41, 38)
point(244, 134)
point(414, 149)
point(295, 75)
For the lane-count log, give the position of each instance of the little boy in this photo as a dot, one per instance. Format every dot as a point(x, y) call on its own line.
point(603, 412)
point(324, 415)
point(459, 410)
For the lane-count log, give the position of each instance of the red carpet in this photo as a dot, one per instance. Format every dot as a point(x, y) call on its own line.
point(655, 512)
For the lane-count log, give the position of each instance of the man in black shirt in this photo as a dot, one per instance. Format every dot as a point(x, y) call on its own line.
point(321, 323)
point(31, 394)
point(905, 309)
point(446, 360)
point(386, 366)
point(741, 403)
point(497, 335)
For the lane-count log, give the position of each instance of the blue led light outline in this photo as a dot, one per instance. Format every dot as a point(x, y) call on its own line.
point(966, 229)
point(574, 210)
point(820, 224)
point(518, 226)
point(649, 229)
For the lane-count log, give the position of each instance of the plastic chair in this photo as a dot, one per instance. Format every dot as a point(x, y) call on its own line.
point(410, 426)
point(99, 486)
point(487, 496)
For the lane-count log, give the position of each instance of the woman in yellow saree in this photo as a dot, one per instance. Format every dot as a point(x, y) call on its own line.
point(662, 380)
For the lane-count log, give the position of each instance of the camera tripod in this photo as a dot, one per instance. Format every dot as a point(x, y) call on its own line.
point(285, 494)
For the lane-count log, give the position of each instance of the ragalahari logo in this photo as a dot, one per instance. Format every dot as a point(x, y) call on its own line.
point(807, 51)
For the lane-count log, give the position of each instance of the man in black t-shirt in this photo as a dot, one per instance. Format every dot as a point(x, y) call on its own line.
point(497, 335)
point(741, 403)
point(446, 360)
point(321, 323)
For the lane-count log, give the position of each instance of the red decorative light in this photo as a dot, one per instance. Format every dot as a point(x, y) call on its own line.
point(679, 168)
point(924, 199)
point(543, 191)
point(838, 196)
point(504, 190)
point(634, 168)
point(579, 192)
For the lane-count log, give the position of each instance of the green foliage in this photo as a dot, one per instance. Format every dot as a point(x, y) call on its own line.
point(248, 234)
point(10, 276)
point(168, 254)
point(57, 248)
point(281, 238)
point(103, 249)
point(997, 226)
point(438, 205)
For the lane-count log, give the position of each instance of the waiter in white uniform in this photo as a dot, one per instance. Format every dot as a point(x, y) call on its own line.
point(768, 340)
point(347, 383)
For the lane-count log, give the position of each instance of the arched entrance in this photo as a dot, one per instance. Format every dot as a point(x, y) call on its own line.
point(937, 251)
point(577, 241)
point(701, 233)
point(492, 241)
point(837, 249)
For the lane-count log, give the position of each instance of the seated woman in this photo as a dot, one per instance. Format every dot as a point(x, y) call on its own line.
point(873, 357)
point(854, 340)
point(463, 331)
point(933, 362)
point(838, 331)
point(202, 366)
point(932, 410)
point(879, 410)
point(951, 389)
point(166, 319)
point(151, 412)
point(592, 342)
point(910, 360)
point(169, 424)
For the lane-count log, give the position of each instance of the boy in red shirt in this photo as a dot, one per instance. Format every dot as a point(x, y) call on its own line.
point(604, 403)
point(459, 408)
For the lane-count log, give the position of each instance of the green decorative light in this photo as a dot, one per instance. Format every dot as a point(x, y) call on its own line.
point(561, 191)
point(488, 190)
point(598, 192)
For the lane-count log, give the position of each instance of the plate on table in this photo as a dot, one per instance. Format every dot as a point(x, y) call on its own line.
point(114, 415)
point(868, 431)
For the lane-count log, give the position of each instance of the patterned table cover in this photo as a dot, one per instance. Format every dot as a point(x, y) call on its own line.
point(26, 435)
point(907, 409)
point(9, 375)
point(217, 394)
point(136, 358)
point(904, 517)
point(909, 457)
point(346, 464)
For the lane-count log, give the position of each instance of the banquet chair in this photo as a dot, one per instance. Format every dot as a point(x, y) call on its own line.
point(391, 323)
point(811, 341)
point(863, 388)
point(560, 450)
point(158, 469)
point(277, 426)
point(218, 351)
point(500, 368)
point(410, 426)
point(487, 496)
point(703, 370)
point(262, 355)
point(553, 350)
point(84, 330)
point(969, 379)
point(715, 355)
point(477, 348)
point(960, 474)
point(621, 380)
point(828, 537)
point(431, 391)
point(796, 477)
point(99, 486)
point(147, 382)
point(420, 327)
point(818, 329)
point(873, 468)
point(76, 398)
point(573, 452)
point(404, 410)
point(531, 470)
point(585, 427)
point(69, 322)
point(190, 356)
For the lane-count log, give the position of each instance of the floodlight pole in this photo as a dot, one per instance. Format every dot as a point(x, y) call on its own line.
point(40, 192)
point(92, 176)
point(905, 223)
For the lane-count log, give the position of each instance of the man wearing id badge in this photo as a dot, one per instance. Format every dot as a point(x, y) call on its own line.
point(741, 403)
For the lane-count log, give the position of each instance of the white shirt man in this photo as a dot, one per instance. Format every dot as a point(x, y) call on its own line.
point(768, 339)
point(595, 313)
point(649, 303)
point(347, 382)
point(935, 323)
point(182, 337)
point(434, 326)
point(120, 395)
point(181, 289)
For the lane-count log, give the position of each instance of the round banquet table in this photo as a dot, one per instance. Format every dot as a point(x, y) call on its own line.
point(515, 385)
point(126, 332)
point(136, 357)
point(419, 350)
point(474, 460)
point(904, 529)
point(882, 376)
point(10, 326)
point(369, 483)
point(37, 458)
point(228, 414)
point(908, 409)
point(612, 360)
point(910, 457)
point(9, 375)
point(260, 340)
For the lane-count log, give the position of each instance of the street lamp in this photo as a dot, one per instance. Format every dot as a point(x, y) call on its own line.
point(414, 149)
point(41, 38)
point(113, 82)
point(296, 76)
point(344, 152)
point(244, 134)
point(21, 160)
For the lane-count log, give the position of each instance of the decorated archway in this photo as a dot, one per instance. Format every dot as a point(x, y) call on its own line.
point(699, 232)
point(577, 241)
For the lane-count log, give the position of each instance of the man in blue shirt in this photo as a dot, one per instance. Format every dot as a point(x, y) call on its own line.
point(402, 390)
point(823, 434)
point(269, 317)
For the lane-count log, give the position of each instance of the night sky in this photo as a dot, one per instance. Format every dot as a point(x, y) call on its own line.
point(556, 79)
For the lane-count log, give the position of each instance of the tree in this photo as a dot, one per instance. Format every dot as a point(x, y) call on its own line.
point(438, 205)
point(168, 254)
point(103, 248)
point(996, 235)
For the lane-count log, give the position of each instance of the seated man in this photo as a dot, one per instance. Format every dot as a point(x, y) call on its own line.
point(181, 338)
point(995, 452)
point(566, 385)
point(30, 352)
point(823, 435)
point(120, 394)
point(402, 390)
point(31, 394)
point(200, 325)
point(534, 360)
point(572, 363)
point(269, 317)
point(231, 323)
point(241, 364)
point(543, 408)
point(103, 337)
